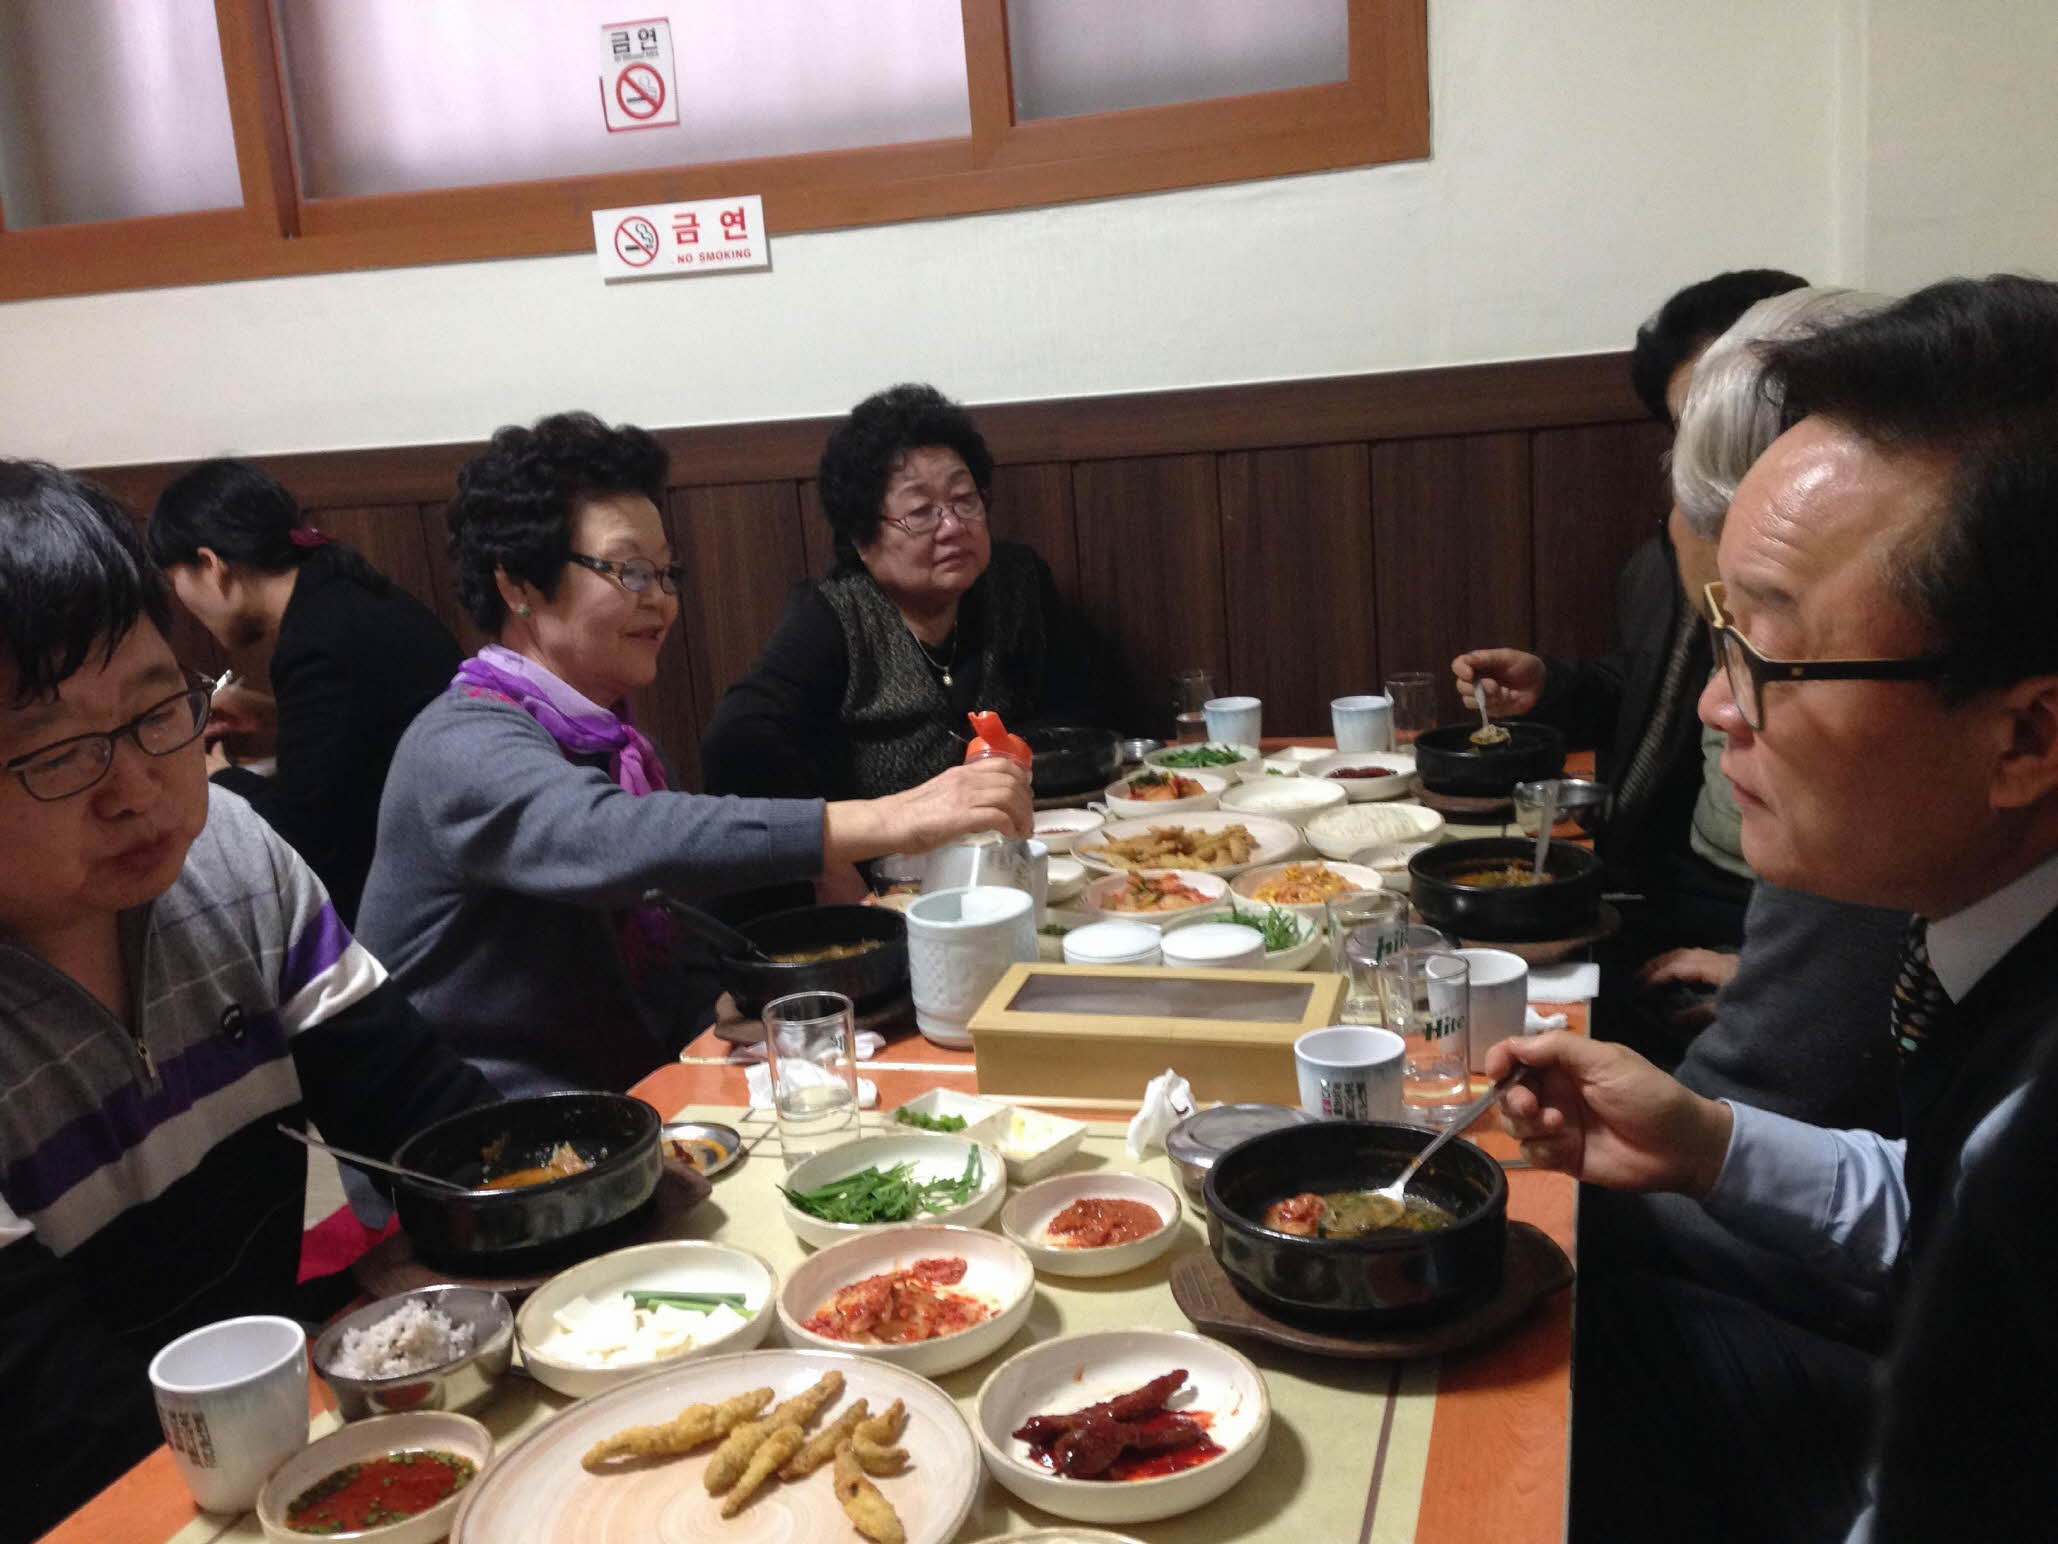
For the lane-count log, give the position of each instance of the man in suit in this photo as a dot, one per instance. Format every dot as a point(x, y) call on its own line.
point(1889, 691)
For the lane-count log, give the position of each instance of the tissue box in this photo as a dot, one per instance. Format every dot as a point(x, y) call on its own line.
point(1104, 1031)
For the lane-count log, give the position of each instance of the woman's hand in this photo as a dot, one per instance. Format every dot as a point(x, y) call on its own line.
point(1517, 679)
point(989, 795)
point(1601, 1113)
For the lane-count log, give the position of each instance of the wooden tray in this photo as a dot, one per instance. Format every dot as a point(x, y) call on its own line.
point(1535, 1268)
point(1551, 951)
point(394, 1267)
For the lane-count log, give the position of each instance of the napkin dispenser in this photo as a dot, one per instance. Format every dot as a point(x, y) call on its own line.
point(1104, 1031)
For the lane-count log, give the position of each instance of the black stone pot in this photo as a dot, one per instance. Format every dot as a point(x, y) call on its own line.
point(1376, 1282)
point(1566, 907)
point(1065, 761)
point(615, 1133)
point(870, 980)
point(1449, 763)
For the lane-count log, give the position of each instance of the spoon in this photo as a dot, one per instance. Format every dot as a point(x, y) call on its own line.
point(1546, 816)
point(414, 1176)
point(727, 941)
point(1389, 1203)
point(1488, 732)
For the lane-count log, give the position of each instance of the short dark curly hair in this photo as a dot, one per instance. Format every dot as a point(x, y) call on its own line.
point(1691, 320)
point(516, 499)
point(864, 449)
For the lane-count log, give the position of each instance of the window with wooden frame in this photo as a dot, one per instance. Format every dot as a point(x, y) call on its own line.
point(338, 138)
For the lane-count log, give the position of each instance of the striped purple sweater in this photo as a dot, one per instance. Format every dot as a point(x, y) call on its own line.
point(143, 1190)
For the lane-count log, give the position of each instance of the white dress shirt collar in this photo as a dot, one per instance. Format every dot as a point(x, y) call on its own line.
point(1967, 944)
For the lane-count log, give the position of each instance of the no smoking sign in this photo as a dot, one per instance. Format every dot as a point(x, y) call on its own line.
point(636, 78)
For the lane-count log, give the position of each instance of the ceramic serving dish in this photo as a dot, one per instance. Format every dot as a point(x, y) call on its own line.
point(1123, 803)
point(1397, 780)
point(1339, 832)
point(1027, 1217)
point(934, 1156)
point(438, 1430)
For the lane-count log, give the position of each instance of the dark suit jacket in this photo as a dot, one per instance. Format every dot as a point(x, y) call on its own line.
point(1965, 1447)
point(352, 668)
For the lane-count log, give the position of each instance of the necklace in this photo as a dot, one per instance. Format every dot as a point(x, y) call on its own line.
point(944, 666)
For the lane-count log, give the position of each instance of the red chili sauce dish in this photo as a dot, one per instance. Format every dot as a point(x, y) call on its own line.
point(900, 1307)
point(379, 1491)
point(1357, 772)
point(1095, 1222)
point(1130, 1437)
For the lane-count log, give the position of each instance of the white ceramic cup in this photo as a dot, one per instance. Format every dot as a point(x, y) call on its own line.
point(1350, 1072)
point(1362, 723)
point(1234, 719)
point(1499, 996)
point(960, 943)
point(1039, 878)
point(1113, 943)
point(232, 1398)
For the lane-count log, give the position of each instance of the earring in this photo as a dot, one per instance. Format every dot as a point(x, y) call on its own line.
point(521, 611)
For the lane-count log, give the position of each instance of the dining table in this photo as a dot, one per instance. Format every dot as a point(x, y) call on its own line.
point(1471, 1445)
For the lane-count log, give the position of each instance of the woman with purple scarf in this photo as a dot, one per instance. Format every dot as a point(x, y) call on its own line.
point(525, 815)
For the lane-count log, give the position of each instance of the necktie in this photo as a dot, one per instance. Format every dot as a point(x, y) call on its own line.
point(1920, 1004)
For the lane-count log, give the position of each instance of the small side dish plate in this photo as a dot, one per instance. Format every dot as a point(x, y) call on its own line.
point(1027, 1217)
point(701, 1145)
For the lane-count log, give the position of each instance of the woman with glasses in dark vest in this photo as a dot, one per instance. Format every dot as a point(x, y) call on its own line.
point(864, 687)
point(337, 657)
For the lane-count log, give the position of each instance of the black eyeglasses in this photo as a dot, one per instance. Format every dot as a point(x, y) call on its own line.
point(635, 574)
point(967, 507)
point(66, 767)
point(1749, 671)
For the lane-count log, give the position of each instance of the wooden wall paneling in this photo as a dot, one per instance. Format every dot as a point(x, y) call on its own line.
point(1596, 494)
point(1032, 504)
point(1150, 576)
point(743, 549)
point(443, 580)
point(1450, 519)
point(815, 539)
point(1300, 585)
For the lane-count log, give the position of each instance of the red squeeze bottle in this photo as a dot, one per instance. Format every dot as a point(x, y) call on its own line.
point(990, 737)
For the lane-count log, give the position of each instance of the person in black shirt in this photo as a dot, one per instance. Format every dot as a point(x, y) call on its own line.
point(348, 657)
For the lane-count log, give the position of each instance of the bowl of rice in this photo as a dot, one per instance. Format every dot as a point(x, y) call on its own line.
point(436, 1348)
point(1338, 833)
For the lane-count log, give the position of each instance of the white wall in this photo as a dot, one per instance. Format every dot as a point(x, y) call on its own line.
point(1590, 155)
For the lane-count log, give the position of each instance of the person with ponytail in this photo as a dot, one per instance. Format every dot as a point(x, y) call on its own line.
point(347, 656)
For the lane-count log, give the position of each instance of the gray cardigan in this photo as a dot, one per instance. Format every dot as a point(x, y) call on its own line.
point(500, 869)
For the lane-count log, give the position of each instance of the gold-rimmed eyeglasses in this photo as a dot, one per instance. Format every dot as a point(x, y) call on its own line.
point(1749, 671)
point(968, 508)
point(66, 767)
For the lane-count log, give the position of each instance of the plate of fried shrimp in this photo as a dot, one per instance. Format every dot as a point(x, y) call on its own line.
point(742, 1449)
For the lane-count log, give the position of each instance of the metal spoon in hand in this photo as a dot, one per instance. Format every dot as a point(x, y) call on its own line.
point(412, 1176)
point(1389, 1203)
point(1488, 732)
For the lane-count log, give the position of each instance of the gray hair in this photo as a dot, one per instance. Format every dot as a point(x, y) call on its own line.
point(1732, 411)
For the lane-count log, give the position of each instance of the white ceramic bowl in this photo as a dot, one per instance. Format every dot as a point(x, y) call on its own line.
point(1029, 1212)
point(1271, 840)
point(948, 1101)
point(1032, 1142)
point(1298, 799)
point(995, 1270)
point(1389, 860)
point(1066, 877)
point(1059, 829)
point(1122, 807)
point(1246, 884)
point(1126, 942)
point(1074, 1371)
point(1340, 832)
point(1102, 892)
point(361, 1441)
point(1298, 756)
point(1250, 761)
point(934, 1155)
point(1308, 942)
point(1360, 790)
point(671, 1265)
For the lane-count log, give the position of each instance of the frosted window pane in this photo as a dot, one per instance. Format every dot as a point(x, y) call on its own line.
point(392, 96)
point(112, 108)
point(1089, 56)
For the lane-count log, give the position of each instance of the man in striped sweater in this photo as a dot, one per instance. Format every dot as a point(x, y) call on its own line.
point(173, 982)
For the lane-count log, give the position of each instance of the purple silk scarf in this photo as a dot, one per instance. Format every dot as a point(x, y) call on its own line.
point(581, 729)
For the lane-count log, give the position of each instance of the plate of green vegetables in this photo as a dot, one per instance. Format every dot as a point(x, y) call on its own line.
point(886, 1181)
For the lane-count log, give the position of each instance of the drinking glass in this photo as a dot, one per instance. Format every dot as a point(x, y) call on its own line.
point(1581, 803)
point(811, 1049)
point(1426, 994)
point(1190, 691)
point(1414, 704)
point(1350, 910)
